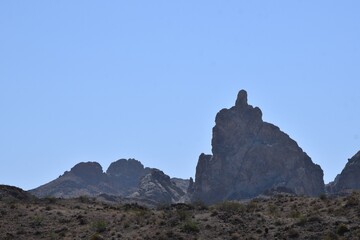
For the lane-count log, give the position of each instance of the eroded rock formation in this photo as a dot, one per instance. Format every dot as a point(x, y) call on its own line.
point(125, 178)
point(251, 156)
point(349, 178)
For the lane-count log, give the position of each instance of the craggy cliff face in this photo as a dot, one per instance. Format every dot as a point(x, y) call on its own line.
point(349, 178)
point(251, 156)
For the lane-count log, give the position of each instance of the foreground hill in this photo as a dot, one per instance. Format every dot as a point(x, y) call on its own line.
point(281, 216)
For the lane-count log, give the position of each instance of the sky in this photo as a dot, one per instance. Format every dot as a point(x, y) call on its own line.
point(103, 80)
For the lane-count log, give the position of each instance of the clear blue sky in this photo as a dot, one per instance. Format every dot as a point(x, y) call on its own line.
point(103, 80)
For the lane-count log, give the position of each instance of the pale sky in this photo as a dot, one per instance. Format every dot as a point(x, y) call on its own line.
point(103, 80)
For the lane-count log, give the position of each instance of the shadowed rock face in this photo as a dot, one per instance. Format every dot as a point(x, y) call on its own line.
point(124, 175)
point(90, 172)
point(349, 178)
point(251, 156)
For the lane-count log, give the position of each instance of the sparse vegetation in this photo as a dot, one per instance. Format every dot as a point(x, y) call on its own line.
point(281, 217)
point(100, 226)
point(230, 207)
point(191, 227)
point(342, 229)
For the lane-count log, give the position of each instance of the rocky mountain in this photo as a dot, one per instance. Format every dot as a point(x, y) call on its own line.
point(125, 178)
point(349, 178)
point(251, 156)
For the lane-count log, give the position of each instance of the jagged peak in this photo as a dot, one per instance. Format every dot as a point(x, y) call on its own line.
point(241, 99)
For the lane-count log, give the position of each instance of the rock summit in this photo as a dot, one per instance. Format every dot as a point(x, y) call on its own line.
point(250, 156)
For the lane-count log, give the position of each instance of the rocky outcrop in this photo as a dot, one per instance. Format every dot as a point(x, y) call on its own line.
point(124, 175)
point(183, 184)
point(251, 156)
point(349, 178)
point(158, 187)
point(123, 178)
point(90, 172)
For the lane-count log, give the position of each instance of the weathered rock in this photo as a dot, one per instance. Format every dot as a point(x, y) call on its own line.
point(158, 187)
point(124, 175)
point(183, 184)
point(251, 156)
point(90, 172)
point(123, 178)
point(349, 178)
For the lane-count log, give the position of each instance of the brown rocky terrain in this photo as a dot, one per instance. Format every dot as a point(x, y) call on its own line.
point(279, 216)
point(251, 156)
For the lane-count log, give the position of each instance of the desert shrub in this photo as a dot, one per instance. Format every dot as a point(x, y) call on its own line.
point(252, 206)
point(278, 223)
point(342, 229)
point(352, 201)
point(170, 234)
point(100, 226)
point(190, 227)
point(36, 221)
point(183, 214)
point(293, 233)
point(323, 197)
point(315, 218)
point(96, 236)
point(273, 209)
point(163, 206)
point(214, 213)
point(134, 207)
point(295, 214)
point(302, 221)
point(200, 205)
point(330, 236)
point(230, 207)
point(84, 199)
point(50, 199)
point(82, 220)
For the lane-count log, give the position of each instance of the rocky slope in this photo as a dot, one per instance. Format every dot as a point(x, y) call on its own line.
point(125, 178)
point(251, 156)
point(281, 216)
point(349, 178)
